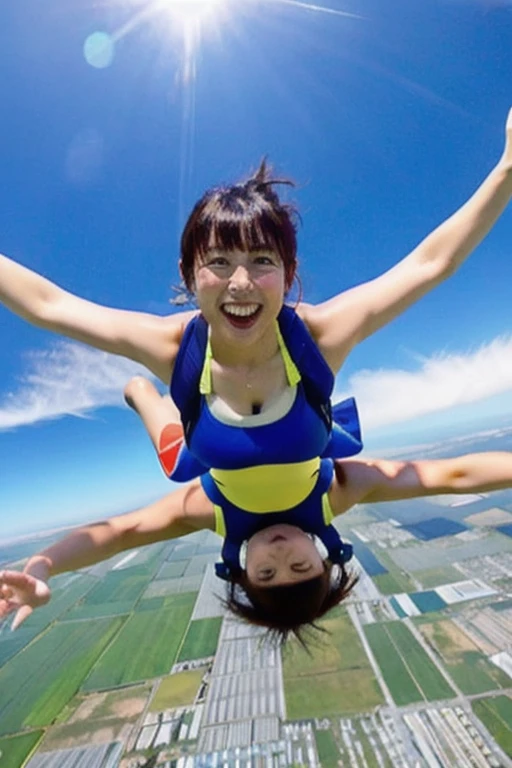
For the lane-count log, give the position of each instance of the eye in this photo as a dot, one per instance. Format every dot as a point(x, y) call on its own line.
point(217, 261)
point(265, 574)
point(302, 567)
point(264, 260)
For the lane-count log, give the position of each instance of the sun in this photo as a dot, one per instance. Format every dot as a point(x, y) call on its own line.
point(192, 10)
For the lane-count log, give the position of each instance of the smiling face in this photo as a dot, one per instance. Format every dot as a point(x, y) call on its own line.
point(281, 555)
point(241, 217)
point(240, 293)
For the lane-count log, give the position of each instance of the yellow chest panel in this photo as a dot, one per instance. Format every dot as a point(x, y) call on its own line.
point(268, 487)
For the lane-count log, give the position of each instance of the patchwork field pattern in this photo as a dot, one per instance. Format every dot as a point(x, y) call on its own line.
point(409, 673)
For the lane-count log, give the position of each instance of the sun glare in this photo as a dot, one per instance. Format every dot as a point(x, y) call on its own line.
point(192, 9)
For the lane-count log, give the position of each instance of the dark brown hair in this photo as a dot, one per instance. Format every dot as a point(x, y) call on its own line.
point(289, 610)
point(243, 216)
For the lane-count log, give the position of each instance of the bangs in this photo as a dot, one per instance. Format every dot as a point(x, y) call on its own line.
point(245, 217)
point(242, 233)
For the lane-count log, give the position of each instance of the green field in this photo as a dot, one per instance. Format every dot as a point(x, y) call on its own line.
point(146, 647)
point(62, 600)
point(392, 583)
point(201, 639)
point(38, 682)
point(172, 570)
point(121, 586)
point(496, 714)
point(469, 668)
point(316, 684)
point(178, 690)
point(435, 577)
point(13, 642)
point(14, 750)
point(328, 750)
point(98, 611)
point(396, 580)
point(409, 673)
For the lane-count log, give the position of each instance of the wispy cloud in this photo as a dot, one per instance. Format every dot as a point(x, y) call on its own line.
point(440, 382)
point(66, 380)
point(70, 379)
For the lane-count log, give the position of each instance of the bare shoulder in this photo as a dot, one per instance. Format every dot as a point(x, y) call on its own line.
point(310, 316)
point(158, 351)
point(330, 326)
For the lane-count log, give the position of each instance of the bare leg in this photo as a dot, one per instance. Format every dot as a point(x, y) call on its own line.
point(159, 414)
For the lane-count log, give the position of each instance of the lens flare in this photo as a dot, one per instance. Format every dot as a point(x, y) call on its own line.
point(99, 50)
point(191, 9)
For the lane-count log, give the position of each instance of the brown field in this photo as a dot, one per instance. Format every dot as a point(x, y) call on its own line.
point(494, 516)
point(447, 636)
point(98, 718)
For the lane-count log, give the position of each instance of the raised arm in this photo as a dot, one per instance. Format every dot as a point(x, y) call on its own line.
point(183, 511)
point(374, 480)
point(345, 320)
point(147, 339)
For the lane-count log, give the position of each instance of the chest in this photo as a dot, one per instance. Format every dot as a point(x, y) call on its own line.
point(248, 390)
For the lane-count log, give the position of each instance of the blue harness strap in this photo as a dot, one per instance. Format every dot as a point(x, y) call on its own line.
point(317, 378)
point(187, 373)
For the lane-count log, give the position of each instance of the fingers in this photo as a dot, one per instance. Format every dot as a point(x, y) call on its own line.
point(15, 579)
point(22, 614)
point(6, 608)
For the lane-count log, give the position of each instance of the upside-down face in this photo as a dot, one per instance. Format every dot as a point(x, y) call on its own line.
point(280, 555)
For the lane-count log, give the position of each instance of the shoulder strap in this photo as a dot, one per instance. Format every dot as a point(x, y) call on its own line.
point(187, 373)
point(317, 377)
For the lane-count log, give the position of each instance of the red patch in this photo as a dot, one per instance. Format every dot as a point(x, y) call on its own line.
point(171, 440)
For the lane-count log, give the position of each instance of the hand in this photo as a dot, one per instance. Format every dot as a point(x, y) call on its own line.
point(21, 592)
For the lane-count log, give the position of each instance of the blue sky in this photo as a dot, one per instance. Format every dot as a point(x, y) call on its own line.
point(386, 114)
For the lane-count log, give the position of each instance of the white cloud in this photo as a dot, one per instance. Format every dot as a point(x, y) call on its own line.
point(70, 379)
point(441, 382)
point(66, 380)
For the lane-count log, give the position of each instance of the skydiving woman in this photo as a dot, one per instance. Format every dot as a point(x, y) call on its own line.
point(252, 379)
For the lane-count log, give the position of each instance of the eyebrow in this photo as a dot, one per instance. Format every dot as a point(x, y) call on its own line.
point(264, 247)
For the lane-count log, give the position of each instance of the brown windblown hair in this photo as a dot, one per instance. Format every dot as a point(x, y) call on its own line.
point(243, 216)
point(289, 610)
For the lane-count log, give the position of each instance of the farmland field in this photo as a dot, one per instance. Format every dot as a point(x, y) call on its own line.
point(409, 673)
point(468, 667)
point(39, 681)
point(177, 690)
point(392, 583)
point(120, 586)
point(172, 570)
point(14, 750)
point(111, 713)
point(13, 642)
point(201, 639)
point(435, 577)
point(496, 714)
point(395, 580)
point(95, 611)
point(63, 598)
point(328, 751)
point(146, 647)
point(315, 685)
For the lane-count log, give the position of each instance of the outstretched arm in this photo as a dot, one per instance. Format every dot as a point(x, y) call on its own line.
point(373, 480)
point(342, 322)
point(177, 514)
point(147, 339)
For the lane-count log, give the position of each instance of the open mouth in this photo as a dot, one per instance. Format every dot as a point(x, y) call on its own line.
point(241, 315)
point(277, 537)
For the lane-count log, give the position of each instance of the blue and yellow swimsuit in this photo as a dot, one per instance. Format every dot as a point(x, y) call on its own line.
point(266, 468)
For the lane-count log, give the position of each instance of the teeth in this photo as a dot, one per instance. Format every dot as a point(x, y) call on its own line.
point(241, 310)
